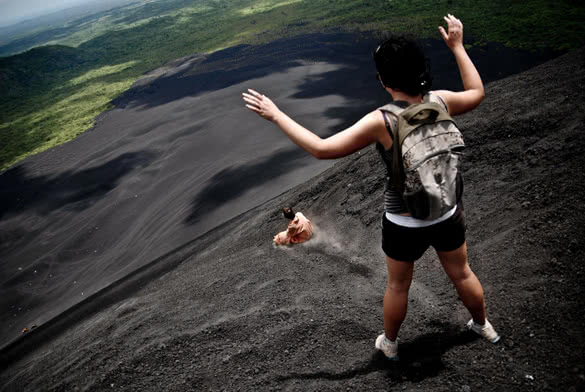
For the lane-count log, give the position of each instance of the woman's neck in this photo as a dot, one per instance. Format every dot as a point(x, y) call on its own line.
point(401, 96)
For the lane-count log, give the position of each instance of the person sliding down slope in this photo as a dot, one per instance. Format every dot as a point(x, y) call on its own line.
point(299, 229)
point(404, 73)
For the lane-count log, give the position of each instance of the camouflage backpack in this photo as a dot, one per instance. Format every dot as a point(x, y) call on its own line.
point(428, 151)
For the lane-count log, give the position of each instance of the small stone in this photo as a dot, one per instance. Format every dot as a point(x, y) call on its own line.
point(465, 388)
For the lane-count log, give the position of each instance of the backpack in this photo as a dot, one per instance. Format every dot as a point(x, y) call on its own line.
point(428, 151)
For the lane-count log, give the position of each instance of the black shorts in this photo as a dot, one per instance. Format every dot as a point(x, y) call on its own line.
point(409, 244)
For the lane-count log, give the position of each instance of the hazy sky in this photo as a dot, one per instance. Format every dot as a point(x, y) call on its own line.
point(12, 11)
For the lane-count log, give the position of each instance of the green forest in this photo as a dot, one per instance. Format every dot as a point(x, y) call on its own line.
point(65, 76)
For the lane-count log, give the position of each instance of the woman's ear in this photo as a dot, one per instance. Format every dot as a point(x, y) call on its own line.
point(380, 79)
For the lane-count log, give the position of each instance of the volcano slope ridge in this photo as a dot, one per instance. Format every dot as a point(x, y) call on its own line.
point(240, 314)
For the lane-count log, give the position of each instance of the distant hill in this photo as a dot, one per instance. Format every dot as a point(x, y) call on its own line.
point(37, 31)
point(37, 68)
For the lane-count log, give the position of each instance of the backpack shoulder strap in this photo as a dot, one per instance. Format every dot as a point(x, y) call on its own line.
point(391, 123)
point(430, 97)
point(391, 108)
point(397, 170)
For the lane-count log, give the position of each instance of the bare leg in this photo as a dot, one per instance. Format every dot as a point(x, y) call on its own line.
point(466, 283)
point(396, 297)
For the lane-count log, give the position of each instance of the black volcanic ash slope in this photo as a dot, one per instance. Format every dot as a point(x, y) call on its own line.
point(239, 314)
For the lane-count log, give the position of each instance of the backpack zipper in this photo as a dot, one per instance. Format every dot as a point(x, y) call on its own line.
point(450, 150)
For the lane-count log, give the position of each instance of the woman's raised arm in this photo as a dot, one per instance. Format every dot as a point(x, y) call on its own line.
point(462, 101)
point(364, 132)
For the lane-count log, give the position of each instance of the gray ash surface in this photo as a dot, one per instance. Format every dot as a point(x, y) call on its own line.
point(228, 311)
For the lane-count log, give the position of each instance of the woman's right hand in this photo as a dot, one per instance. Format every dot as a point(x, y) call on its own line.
point(454, 36)
point(261, 105)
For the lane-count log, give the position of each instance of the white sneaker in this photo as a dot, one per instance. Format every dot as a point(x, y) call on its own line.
point(486, 330)
point(389, 348)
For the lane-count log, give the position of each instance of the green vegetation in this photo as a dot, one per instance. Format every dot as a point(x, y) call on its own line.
point(51, 94)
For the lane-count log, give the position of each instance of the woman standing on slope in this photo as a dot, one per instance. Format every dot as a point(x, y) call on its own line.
point(403, 72)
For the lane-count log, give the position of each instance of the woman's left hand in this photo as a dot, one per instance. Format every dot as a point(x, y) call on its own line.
point(261, 105)
point(454, 36)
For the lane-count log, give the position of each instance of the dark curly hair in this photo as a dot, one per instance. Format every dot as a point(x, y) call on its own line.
point(288, 213)
point(402, 65)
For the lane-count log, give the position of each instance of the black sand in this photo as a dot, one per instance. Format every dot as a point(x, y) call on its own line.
point(227, 311)
point(178, 156)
